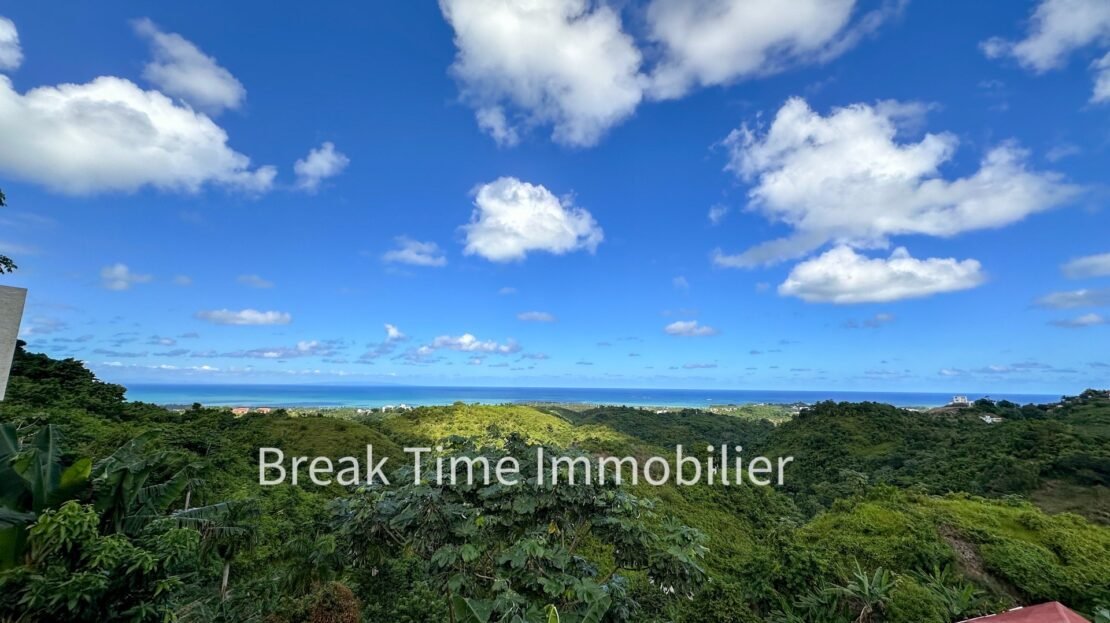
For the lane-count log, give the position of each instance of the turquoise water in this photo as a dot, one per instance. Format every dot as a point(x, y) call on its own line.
point(376, 396)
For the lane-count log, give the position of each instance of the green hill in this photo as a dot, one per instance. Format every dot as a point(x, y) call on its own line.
point(947, 516)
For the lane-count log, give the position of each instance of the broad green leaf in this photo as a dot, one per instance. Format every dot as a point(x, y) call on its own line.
point(471, 610)
point(597, 610)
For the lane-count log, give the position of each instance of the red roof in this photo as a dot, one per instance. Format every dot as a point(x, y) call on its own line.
point(1052, 612)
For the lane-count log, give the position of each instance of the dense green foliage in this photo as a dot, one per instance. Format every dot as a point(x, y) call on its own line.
point(112, 510)
point(853, 445)
point(512, 553)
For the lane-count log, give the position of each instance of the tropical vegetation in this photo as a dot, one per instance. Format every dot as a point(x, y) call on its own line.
point(112, 510)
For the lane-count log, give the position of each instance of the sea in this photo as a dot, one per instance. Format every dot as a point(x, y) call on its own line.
point(380, 395)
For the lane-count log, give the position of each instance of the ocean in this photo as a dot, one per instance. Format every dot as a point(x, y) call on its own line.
point(380, 395)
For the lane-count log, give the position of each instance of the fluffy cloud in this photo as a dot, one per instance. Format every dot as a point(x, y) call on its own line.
point(1102, 80)
point(1097, 297)
point(320, 164)
point(1057, 29)
point(571, 65)
point(111, 135)
point(182, 70)
point(393, 336)
point(714, 42)
point(841, 275)
point(415, 253)
point(564, 63)
point(244, 317)
point(120, 277)
point(536, 316)
point(1088, 266)
point(254, 281)
point(1086, 320)
point(492, 121)
point(11, 55)
point(847, 178)
point(688, 328)
point(467, 343)
point(513, 218)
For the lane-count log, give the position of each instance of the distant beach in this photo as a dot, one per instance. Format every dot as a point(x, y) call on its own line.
point(379, 396)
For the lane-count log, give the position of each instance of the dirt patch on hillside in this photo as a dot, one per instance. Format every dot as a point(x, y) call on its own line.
point(971, 563)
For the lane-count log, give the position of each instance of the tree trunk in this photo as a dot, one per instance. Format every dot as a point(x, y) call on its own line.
point(188, 495)
point(223, 581)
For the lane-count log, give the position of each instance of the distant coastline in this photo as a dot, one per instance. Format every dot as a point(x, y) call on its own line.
point(325, 396)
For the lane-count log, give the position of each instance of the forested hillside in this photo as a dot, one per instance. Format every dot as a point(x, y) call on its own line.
point(114, 511)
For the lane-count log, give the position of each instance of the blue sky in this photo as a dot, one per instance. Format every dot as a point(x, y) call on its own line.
point(861, 195)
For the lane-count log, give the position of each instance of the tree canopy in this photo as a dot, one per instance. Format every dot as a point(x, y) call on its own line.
point(113, 510)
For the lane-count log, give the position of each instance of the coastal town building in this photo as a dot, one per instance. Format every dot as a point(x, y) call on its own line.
point(246, 410)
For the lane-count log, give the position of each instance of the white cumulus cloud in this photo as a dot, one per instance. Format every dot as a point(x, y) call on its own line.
point(320, 164)
point(120, 277)
point(11, 55)
point(244, 317)
point(513, 218)
point(415, 253)
point(1088, 266)
point(111, 135)
point(470, 344)
point(563, 63)
point(848, 178)
point(715, 42)
point(1058, 29)
point(180, 69)
point(689, 328)
point(841, 275)
point(1102, 80)
point(573, 66)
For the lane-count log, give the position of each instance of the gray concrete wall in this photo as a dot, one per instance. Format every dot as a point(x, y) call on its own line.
point(11, 313)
